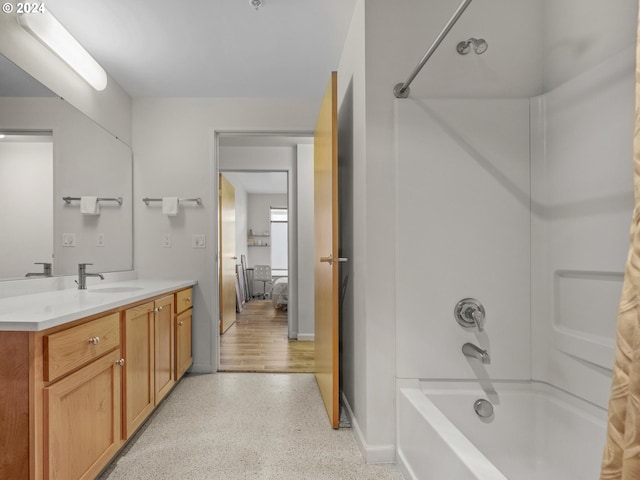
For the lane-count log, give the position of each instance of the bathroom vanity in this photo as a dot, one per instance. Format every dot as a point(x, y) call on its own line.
point(81, 370)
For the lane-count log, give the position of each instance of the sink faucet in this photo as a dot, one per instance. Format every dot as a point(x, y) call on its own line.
point(472, 351)
point(82, 275)
point(46, 270)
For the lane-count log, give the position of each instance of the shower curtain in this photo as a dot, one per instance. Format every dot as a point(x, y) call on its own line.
point(621, 458)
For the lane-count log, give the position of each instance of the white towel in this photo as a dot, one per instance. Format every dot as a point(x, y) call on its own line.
point(89, 206)
point(170, 206)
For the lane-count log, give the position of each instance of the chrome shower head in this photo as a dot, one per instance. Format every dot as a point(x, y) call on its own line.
point(479, 45)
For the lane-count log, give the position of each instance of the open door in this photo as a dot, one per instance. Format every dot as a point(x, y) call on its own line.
point(326, 251)
point(227, 254)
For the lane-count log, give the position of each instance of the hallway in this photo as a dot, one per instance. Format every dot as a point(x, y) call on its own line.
point(258, 342)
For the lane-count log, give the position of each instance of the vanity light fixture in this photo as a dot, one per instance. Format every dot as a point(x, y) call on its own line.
point(52, 34)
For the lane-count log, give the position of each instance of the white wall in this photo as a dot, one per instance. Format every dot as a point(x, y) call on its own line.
point(26, 190)
point(174, 155)
point(259, 220)
point(578, 35)
point(306, 243)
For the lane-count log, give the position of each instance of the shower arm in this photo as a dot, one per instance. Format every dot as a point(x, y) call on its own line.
point(401, 90)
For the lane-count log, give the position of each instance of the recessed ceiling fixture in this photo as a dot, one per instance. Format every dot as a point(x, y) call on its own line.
point(256, 3)
point(50, 32)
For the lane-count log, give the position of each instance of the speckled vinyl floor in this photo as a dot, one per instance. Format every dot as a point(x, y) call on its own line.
point(247, 426)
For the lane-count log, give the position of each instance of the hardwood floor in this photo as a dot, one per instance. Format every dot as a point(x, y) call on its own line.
point(258, 342)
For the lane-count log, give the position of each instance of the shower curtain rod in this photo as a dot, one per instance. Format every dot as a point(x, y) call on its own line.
point(401, 90)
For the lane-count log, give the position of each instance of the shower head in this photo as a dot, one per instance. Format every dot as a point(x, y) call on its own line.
point(479, 45)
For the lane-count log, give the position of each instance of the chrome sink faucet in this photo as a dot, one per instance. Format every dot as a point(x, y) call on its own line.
point(45, 273)
point(472, 351)
point(82, 275)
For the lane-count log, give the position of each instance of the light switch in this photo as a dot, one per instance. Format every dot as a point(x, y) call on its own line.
point(100, 240)
point(166, 240)
point(68, 239)
point(198, 240)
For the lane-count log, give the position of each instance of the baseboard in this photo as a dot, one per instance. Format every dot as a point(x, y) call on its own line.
point(306, 337)
point(201, 368)
point(372, 454)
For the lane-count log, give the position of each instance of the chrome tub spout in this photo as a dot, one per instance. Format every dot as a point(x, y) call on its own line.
point(472, 351)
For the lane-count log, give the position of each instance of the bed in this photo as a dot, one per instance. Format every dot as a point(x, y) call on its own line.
point(280, 293)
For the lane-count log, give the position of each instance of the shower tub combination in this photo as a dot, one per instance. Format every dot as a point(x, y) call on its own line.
point(536, 432)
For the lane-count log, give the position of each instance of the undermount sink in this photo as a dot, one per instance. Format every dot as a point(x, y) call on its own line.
point(114, 289)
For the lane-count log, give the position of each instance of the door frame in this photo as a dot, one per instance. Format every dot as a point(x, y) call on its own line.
point(292, 311)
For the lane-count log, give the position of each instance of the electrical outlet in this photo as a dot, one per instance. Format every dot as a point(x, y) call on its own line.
point(166, 240)
point(68, 239)
point(100, 240)
point(198, 240)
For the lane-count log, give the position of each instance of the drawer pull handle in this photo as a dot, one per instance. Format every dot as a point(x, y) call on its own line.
point(120, 362)
point(180, 324)
point(94, 340)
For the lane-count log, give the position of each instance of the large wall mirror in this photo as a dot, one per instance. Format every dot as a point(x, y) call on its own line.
point(52, 155)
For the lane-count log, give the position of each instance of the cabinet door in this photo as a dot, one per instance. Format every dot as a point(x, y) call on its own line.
point(183, 343)
point(138, 369)
point(164, 352)
point(83, 420)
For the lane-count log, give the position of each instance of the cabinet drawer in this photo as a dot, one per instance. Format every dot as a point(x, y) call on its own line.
point(76, 346)
point(184, 300)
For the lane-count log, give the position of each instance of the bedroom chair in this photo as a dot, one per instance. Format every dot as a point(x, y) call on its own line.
point(262, 273)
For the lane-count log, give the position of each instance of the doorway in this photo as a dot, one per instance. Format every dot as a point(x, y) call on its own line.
point(273, 331)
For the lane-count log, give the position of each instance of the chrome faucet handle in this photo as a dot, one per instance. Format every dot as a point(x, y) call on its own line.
point(478, 317)
point(469, 313)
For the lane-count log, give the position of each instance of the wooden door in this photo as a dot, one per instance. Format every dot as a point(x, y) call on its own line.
point(326, 251)
point(227, 254)
point(83, 421)
point(139, 374)
point(164, 353)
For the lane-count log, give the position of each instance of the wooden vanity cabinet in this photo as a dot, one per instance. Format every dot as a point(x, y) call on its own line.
point(139, 374)
point(83, 420)
point(149, 359)
point(183, 324)
point(164, 347)
point(71, 395)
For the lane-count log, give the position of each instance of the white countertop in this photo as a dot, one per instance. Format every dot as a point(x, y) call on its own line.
point(40, 311)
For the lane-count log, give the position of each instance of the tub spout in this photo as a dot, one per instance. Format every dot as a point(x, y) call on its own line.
point(472, 351)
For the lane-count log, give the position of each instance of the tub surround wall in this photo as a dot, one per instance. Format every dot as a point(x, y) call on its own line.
point(582, 199)
point(462, 230)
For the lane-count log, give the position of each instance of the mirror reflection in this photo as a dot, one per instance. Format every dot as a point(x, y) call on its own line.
point(48, 151)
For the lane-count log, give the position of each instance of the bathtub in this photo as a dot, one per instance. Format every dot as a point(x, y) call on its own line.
point(536, 432)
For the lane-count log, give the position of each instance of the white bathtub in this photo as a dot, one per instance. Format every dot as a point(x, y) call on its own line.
point(536, 433)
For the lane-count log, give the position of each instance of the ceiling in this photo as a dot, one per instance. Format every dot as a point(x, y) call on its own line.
point(212, 48)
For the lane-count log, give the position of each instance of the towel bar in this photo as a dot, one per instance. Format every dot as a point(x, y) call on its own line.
point(146, 200)
point(68, 200)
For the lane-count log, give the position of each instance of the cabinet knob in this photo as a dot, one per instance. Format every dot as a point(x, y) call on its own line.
point(180, 323)
point(94, 340)
point(188, 299)
point(120, 362)
point(157, 309)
